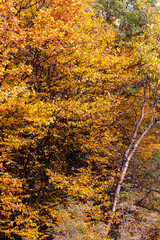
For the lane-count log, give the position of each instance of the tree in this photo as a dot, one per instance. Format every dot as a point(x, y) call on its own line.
point(56, 108)
point(129, 17)
point(148, 116)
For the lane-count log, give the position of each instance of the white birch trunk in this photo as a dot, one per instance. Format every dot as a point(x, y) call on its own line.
point(132, 148)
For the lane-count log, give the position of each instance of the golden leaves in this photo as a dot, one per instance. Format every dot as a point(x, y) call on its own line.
point(62, 77)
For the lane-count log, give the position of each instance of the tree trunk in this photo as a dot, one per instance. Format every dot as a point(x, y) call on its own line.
point(133, 147)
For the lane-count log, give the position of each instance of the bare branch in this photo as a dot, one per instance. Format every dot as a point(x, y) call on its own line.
point(150, 190)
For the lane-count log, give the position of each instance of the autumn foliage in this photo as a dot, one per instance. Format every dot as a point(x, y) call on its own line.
point(71, 94)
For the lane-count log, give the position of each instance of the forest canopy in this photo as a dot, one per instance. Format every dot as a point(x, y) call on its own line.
point(79, 119)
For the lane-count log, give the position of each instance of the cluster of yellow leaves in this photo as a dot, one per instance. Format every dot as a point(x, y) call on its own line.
point(61, 77)
point(54, 56)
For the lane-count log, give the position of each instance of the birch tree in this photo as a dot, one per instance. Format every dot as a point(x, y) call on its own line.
point(147, 113)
